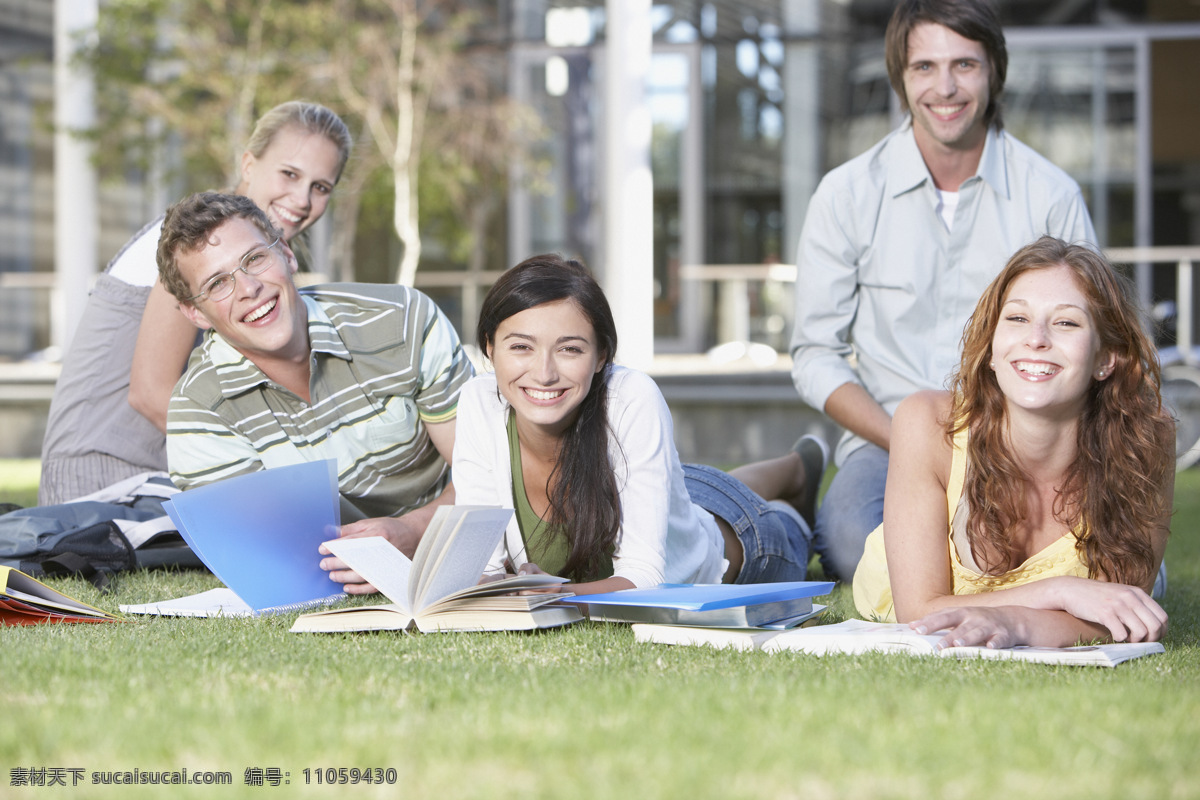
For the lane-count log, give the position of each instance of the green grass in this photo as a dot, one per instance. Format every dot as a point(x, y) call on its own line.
point(585, 712)
point(19, 480)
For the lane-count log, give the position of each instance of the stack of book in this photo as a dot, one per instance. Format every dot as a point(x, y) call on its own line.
point(765, 606)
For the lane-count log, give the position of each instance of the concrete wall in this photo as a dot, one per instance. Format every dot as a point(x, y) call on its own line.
point(731, 418)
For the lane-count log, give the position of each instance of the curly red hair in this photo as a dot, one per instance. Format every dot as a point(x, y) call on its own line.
point(1112, 494)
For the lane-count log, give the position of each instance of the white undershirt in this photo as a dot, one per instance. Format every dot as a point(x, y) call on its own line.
point(137, 263)
point(947, 205)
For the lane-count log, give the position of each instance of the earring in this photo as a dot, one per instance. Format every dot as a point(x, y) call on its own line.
point(1101, 374)
point(993, 366)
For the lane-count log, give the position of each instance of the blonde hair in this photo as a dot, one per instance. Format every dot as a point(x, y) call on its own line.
point(310, 117)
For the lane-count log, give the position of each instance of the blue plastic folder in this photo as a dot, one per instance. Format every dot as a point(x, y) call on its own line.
point(259, 533)
point(722, 605)
point(706, 596)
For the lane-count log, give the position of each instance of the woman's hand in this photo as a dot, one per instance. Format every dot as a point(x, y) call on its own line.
point(976, 626)
point(1129, 614)
point(529, 568)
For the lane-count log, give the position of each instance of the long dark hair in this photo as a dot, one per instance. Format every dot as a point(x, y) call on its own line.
point(584, 499)
point(1112, 493)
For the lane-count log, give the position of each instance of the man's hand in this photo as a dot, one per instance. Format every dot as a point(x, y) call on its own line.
point(401, 532)
point(855, 410)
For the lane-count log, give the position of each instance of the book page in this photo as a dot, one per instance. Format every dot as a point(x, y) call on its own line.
point(742, 639)
point(499, 588)
point(854, 636)
point(52, 606)
point(390, 617)
point(1102, 655)
point(462, 556)
point(18, 612)
point(430, 542)
point(219, 602)
point(380, 563)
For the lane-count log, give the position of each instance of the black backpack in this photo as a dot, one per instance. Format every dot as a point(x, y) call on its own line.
point(95, 539)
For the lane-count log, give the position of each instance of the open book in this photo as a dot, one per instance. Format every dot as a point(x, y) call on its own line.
point(439, 589)
point(725, 605)
point(27, 601)
point(856, 636)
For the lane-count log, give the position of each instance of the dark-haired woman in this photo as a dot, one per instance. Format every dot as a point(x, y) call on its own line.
point(583, 451)
point(1032, 504)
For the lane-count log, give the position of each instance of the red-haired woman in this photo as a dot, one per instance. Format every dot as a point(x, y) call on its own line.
point(1031, 504)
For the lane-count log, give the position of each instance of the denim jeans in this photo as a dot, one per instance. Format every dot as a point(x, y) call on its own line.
point(775, 544)
point(851, 509)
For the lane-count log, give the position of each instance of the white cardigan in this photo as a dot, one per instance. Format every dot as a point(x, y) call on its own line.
point(664, 537)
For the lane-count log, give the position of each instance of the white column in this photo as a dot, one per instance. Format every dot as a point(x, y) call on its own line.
point(75, 211)
point(628, 187)
point(802, 118)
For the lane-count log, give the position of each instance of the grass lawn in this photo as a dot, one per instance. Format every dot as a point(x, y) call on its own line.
point(582, 712)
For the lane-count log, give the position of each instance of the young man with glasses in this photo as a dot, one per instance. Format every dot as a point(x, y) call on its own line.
point(366, 374)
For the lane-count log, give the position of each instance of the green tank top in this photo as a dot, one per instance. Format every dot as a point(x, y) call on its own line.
point(548, 548)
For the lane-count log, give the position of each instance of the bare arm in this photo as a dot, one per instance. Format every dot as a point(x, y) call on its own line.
point(852, 407)
point(165, 340)
point(1055, 612)
point(915, 518)
point(613, 584)
point(442, 436)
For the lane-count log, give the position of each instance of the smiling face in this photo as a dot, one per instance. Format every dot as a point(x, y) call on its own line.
point(264, 318)
point(545, 359)
point(946, 84)
point(292, 179)
point(1045, 350)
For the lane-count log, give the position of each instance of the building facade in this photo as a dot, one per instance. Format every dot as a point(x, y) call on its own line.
point(750, 103)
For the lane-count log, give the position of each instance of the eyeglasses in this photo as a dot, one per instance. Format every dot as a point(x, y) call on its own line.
point(256, 262)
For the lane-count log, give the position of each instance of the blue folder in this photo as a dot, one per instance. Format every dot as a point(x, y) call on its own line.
point(259, 533)
point(706, 597)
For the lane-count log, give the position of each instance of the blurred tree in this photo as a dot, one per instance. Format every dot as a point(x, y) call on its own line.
point(190, 76)
point(421, 89)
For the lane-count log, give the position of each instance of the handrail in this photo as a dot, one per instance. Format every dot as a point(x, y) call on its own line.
point(472, 283)
point(1184, 257)
point(28, 280)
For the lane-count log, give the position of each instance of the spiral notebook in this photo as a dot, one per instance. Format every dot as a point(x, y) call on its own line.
point(259, 533)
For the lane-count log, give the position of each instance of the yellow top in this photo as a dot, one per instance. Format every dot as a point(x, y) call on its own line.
point(872, 587)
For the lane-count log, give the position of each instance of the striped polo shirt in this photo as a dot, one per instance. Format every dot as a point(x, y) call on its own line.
point(385, 361)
